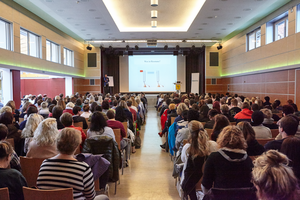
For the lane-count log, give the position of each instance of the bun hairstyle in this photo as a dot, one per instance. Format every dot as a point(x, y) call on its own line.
point(198, 140)
point(5, 149)
point(273, 178)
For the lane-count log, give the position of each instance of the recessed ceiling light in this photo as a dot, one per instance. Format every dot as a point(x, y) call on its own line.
point(223, 29)
point(204, 23)
point(82, 29)
point(88, 34)
point(102, 24)
point(49, 0)
point(210, 17)
point(247, 9)
point(200, 29)
point(92, 10)
point(218, 33)
point(237, 17)
point(106, 29)
point(216, 9)
point(60, 10)
point(69, 18)
point(230, 23)
point(77, 24)
point(97, 17)
point(110, 34)
point(196, 33)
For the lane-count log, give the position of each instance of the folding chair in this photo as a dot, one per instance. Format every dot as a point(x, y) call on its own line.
point(30, 169)
point(78, 124)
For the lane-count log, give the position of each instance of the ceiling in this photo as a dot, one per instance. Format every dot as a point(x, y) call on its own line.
point(91, 20)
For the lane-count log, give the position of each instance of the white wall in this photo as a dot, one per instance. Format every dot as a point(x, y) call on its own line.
point(6, 86)
point(68, 86)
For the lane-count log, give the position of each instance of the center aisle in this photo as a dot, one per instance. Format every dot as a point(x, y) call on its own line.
point(149, 175)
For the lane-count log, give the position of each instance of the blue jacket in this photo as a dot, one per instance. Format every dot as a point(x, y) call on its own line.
point(171, 137)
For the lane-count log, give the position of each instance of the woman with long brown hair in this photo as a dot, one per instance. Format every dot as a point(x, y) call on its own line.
point(193, 156)
point(221, 121)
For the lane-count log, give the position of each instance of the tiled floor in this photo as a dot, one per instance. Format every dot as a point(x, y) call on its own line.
point(149, 175)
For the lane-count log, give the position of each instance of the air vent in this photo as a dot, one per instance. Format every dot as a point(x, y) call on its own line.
point(92, 81)
point(213, 81)
point(49, 0)
point(151, 43)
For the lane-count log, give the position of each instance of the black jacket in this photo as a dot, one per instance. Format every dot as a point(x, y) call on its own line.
point(105, 145)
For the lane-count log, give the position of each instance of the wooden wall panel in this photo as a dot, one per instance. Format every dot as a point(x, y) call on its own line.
point(277, 85)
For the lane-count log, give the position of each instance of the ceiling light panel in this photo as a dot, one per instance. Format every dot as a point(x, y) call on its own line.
point(130, 17)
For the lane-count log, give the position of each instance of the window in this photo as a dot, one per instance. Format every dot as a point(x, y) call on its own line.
point(254, 39)
point(52, 51)
point(277, 28)
point(68, 57)
point(281, 29)
point(92, 81)
point(30, 43)
point(5, 35)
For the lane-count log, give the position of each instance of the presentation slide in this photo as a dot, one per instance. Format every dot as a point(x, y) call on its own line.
point(152, 73)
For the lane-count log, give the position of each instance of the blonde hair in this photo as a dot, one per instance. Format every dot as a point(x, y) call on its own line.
point(267, 112)
point(46, 132)
point(181, 107)
point(232, 137)
point(68, 140)
point(11, 104)
point(123, 104)
point(198, 139)
point(138, 100)
point(32, 123)
point(62, 104)
point(274, 179)
point(134, 103)
point(172, 106)
point(70, 105)
point(5, 109)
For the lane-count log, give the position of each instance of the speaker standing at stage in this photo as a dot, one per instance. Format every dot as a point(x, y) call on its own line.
point(106, 85)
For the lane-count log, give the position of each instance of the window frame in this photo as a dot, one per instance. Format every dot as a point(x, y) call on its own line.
point(39, 45)
point(284, 20)
point(9, 34)
point(255, 31)
point(66, 52)
point(51, 56)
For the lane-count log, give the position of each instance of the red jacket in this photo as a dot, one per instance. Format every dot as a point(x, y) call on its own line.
point(163, 119)
point(69, 111)
point(244, 114)
point(134, 114)
point(83, 136)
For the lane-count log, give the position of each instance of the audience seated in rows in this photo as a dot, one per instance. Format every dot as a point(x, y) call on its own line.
point(221, 122)
point(78, 118)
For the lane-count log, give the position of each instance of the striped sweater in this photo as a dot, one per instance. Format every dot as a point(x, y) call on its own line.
point(57, 173)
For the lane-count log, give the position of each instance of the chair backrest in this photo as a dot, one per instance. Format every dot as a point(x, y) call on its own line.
point(209, 132)
point(125, 126)
point(78, 124)
point(232, 123)
point(172, 119)
point(4, 194)
point(21, 120)
point(117, 133)
point(77, 150)
point(87, 122)
point(203, 123)
point(57, 194)
point(30, 169)
point(275, 132)
point(264, 141)
point(11, 141)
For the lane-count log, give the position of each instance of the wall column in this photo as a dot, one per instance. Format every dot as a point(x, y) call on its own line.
point(16, 87)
